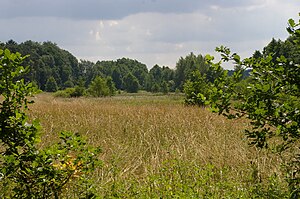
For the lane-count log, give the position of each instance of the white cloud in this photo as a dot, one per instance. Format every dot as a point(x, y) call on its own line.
point(98, 37)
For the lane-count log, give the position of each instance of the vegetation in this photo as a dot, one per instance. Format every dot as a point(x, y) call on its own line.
point(53, 69)
point(27, 171)
point(100, 88)
point(271, 102)
point(153, 145)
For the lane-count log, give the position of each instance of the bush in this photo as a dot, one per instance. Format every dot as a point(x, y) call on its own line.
point(131, 83)
point(51, 85)
point(70, 92)
point(27, 171)
point(99, 88)
point(196, 89)
point(271, 103)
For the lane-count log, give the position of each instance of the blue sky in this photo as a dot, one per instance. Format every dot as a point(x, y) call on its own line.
point(151, 31)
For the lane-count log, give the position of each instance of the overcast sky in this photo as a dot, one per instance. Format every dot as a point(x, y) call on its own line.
point(151, 31)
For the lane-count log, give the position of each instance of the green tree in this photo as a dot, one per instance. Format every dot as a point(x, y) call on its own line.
point(51, 85)
point(271, 104)
point(98, 87)
point(186, 66)
point(137, 69)
point(46, 60)
point(156, 72)
point(164, 87)
point(111, 86)
point(27, 171)
point(155, 87)
point(257, 54)
point(117, 78)
point(131, 83)
point(196, 89)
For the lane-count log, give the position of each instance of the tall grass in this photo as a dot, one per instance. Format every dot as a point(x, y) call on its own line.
point(148, 139)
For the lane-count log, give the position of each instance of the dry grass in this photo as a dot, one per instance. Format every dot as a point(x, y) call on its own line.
point(139, 133)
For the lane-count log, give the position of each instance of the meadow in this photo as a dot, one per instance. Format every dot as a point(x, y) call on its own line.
point(153, 146)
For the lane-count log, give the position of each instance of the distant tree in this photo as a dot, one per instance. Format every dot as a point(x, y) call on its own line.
point(164, 87)
point(78, 91)
point(12, 45)
point(257, 54)
point(196, 89)
point(186, 66)
point(98, 87)
point(149, 81)
point(131, 83)
point(273, 48)
point(111, 86)
point(167, 74)
point(155, 87)
point(68, 84)
point(51, 85)
point(117, 78)
point(156, 72)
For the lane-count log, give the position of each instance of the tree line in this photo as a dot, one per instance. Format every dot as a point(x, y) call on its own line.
point(53, 69)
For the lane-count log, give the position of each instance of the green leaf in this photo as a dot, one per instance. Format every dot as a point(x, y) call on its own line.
point(236, 58)
point(7, 53)
point(292, 23)
point(209, 58)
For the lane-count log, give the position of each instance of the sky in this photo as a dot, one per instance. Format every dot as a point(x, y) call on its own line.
point(150, 31)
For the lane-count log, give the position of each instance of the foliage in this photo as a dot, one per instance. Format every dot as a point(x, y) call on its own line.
point(271, 103)
point(196, 89)
point(134, 132)
point(182, 179)
point(186, 66)
point(77, 91)
point(48, 60)
point(26, 171)
point(51, 85)
point(164, 87)
point(98, 87)
point(111, 86)
point(131, 83)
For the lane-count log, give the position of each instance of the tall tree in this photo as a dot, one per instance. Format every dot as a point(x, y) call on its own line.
point(98, 87)
point(51, 85)
point(131, 83)
point(186, 66)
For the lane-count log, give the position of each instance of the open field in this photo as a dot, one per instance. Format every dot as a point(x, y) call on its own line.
point(151, 142)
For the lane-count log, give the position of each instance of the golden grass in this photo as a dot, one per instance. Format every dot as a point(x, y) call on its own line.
point(139, 133)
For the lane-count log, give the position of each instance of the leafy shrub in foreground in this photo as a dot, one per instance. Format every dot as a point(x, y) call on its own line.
point(26, 171)
point(270, 103)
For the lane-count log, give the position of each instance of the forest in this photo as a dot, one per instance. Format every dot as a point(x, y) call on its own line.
point(53, 69)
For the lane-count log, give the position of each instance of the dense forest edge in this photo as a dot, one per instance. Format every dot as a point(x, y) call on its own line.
point(53, 69)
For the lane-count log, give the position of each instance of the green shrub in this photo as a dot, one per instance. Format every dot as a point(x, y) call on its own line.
point(98, 88)
point(27, 171)
point(196, 89)
point(51, 85)
point(271, 104)
point(77, 91)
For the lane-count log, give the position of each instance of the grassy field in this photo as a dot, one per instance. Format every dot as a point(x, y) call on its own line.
point(154, 146)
